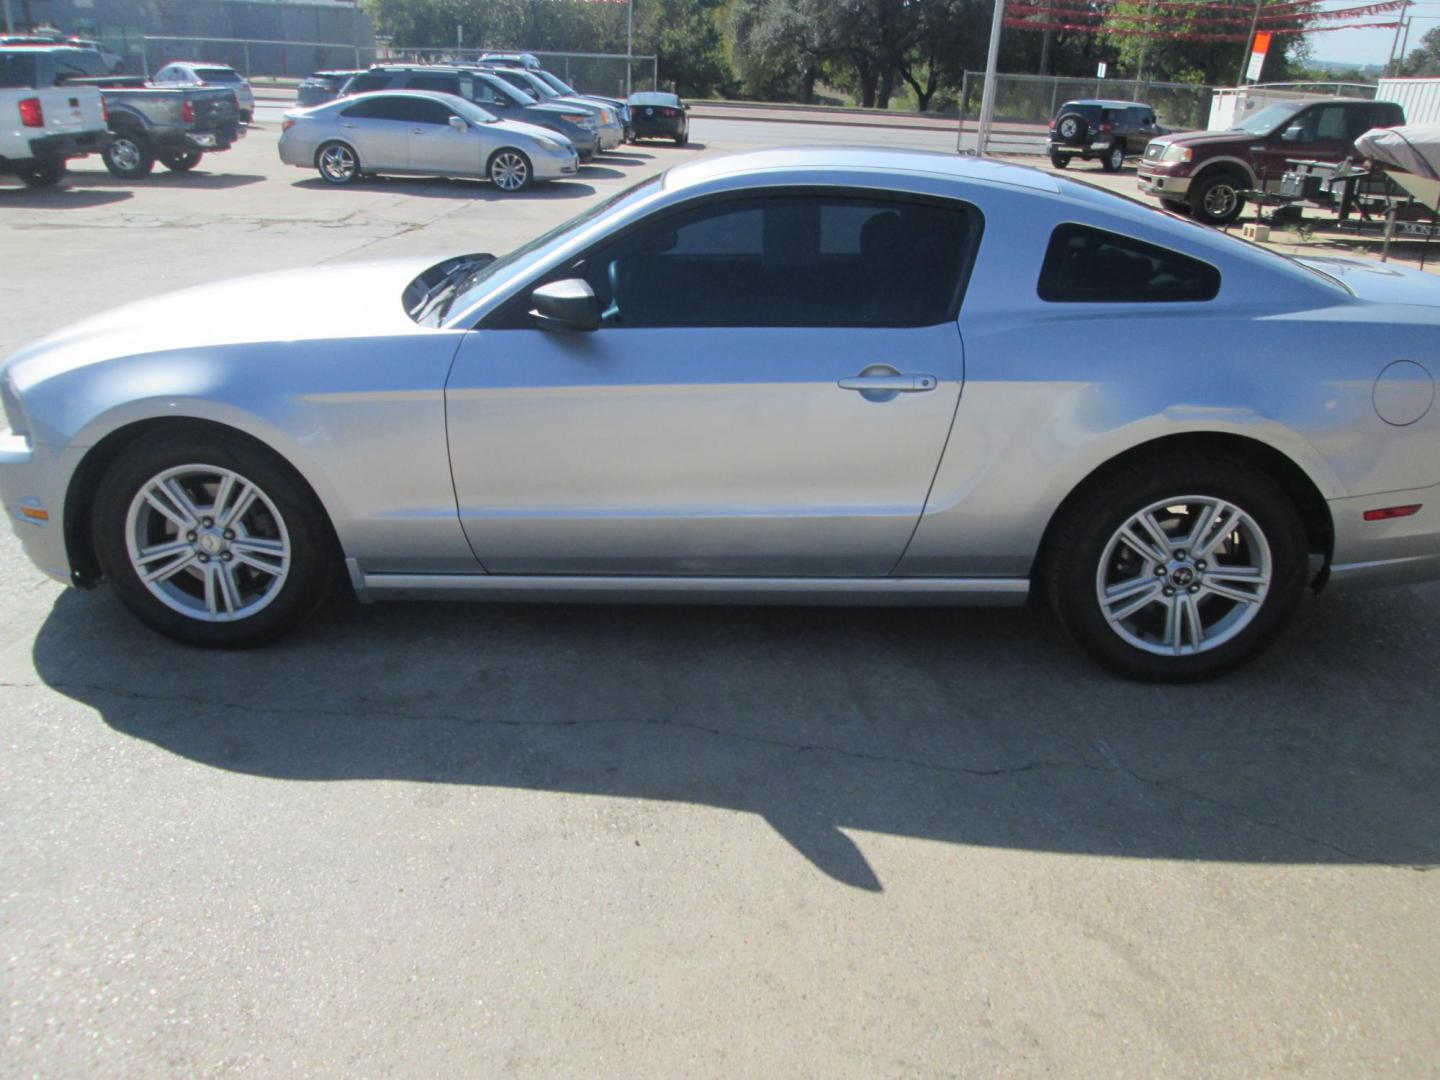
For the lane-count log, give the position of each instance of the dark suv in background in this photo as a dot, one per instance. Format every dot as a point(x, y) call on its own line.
point(1108, 130)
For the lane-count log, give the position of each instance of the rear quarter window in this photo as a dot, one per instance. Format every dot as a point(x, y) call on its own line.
point(1088, 265)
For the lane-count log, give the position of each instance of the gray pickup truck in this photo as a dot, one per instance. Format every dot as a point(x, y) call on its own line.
point(174, 125)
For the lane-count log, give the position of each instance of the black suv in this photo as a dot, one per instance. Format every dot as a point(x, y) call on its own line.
point(1109, 130)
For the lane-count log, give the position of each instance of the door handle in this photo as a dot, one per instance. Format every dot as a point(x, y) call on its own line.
point(905, 384)
point(347, 125)
point(417, 131)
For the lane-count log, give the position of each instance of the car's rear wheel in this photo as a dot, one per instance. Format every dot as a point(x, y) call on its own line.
point(129, 156)
point(509, 170)
point(1176, 569)
point(338, 163)
point(1216, 199)
point(1114, 158)
point(1175, 206)
point(183, 162)
point(1059, 160)
point(43, 174)
point(682, 139)
point(210, 540)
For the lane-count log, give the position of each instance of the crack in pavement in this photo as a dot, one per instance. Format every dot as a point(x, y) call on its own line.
point(1116, 769)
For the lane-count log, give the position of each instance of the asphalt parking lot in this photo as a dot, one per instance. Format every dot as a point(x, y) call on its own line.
point(656, 841)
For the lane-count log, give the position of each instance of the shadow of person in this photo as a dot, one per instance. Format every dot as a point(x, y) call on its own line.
point(966, 728)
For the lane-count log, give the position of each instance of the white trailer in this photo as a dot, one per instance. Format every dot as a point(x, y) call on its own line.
point(1420, 98)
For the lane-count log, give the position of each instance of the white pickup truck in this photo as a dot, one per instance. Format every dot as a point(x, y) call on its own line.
point(43, 126)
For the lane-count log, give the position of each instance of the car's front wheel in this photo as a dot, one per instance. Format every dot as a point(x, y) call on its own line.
point(1114, 158)
point(338, 164)
point(1175, 206)
point(509, 170)
point(211, 540)
point(1217, 199)
point(1176, 570)
point(129, 156)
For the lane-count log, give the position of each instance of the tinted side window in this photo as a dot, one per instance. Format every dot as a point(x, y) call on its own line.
point(1086, 265)
point(385, 108)
point(363, 84)
point(788, 261)
point(444, 84)
point(420, 111)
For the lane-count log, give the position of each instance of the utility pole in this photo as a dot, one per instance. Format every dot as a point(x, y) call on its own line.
point(987, 99)
point(1391, 68)
point(1245, 60)
point(9, 22)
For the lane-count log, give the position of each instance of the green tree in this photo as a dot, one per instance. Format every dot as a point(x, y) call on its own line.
point(1426, 59)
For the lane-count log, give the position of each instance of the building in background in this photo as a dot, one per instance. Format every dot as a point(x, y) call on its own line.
point(257, 37)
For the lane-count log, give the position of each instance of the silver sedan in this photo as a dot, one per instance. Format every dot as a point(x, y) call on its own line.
point(835, 376)
point(419, 133)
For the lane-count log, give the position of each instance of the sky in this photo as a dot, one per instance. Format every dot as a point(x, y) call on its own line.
point(1371, 46)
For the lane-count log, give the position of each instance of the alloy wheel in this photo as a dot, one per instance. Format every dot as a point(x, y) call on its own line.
point(509, 171)
point(208, 543)
point(337, 163)
point(1184, 575)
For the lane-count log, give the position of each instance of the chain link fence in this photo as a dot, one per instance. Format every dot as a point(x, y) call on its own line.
point(257, 56)
point(589, 73)
point(1025, 104)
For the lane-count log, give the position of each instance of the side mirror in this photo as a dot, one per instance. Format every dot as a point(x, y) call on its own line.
point(459, 123)
point(568, 305)
point(1291, 134)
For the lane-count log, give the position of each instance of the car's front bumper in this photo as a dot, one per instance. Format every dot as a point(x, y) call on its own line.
point(555, 164)
point(31, 494)
point(1162, 185)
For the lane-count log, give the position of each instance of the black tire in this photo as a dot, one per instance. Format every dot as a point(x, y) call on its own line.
point(510, 170)
point(42, 174)
point(129, 156)
point(1215, 198)
point(682, 139)
point(297, 518)
point(1085, 552)
point(1114, 159)
point(182, 162)
point(1175, 206)
point(338, 163)
point(1072, 129)
point(1058, 159)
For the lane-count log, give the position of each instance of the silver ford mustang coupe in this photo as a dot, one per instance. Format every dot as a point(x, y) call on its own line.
point(833, 376)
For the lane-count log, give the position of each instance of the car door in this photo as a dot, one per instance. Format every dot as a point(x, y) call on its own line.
point(1314, 134)
point(380, 129)
point(437, 147)
point(769, 394)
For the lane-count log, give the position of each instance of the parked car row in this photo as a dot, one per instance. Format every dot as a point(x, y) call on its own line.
point(503, 119)
point(64, 111)
point(1207, 174)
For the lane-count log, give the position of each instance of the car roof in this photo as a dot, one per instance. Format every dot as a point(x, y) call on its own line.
point(802, 158)
point(1108, 103)
point(429, 95)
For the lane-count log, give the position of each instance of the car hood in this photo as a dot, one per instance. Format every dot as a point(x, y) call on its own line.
point(351, 300)
point(1205, 138)
point(550, 107)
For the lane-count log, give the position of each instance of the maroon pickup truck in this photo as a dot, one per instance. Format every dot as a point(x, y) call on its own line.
point(1206, 173)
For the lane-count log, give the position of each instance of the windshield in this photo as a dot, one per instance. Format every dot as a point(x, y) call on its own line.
point(473, 288)
point(555, 84)
point(1267, 120)
point(515, 94)
point(470, 111)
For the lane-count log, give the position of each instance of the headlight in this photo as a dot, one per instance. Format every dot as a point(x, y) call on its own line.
point(550, 144)
point(585, 120)
point(1177, 153)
